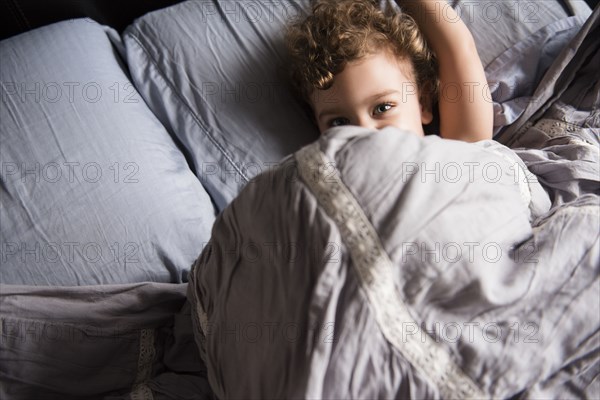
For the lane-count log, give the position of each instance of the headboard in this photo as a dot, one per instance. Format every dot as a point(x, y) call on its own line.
point(18, 16)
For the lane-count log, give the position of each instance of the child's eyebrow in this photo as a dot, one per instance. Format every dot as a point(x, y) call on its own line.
point(383, 94)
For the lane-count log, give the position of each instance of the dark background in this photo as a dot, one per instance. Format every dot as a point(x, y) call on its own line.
point(18, 16)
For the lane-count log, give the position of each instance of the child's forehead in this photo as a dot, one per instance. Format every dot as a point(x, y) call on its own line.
point(382, 61)
point(363, 78)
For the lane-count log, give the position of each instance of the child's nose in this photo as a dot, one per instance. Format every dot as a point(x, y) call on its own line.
point(370, 123)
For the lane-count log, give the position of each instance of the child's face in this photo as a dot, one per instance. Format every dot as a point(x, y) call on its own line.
point(372, 92)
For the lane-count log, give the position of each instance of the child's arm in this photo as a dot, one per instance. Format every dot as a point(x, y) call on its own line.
point(464, 103)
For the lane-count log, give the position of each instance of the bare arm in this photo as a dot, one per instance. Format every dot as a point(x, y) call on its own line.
point(465, 102)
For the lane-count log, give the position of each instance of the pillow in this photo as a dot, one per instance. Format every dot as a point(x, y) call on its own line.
point(211, 71)
point(93, 189)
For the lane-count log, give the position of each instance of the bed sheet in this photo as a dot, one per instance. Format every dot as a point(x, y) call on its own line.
point(98, 342)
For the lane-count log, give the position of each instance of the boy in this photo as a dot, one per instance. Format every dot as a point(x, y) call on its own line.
point(356, 65)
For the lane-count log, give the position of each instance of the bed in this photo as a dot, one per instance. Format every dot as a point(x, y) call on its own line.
point(173, 226)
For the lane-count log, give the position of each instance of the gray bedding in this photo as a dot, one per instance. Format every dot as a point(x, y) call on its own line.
point(377, 264)
point(445, 270)
point(479, 290)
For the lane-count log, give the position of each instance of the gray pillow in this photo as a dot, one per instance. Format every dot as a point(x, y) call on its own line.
point(93, 188)
point(211, 71)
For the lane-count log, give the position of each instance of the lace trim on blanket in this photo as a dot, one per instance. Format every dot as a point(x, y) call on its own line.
point(375, 272)
point(555, 127)
point(140, 390)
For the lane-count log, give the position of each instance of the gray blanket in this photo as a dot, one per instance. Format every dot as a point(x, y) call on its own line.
point(377, 264)
point(382, 265)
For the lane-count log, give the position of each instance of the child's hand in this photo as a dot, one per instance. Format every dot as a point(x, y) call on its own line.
point(465, 103)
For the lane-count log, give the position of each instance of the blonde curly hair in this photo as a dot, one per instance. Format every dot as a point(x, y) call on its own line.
point(338, 32)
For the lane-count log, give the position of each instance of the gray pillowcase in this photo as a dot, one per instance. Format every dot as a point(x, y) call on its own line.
point(93, 188)
point(213, 72)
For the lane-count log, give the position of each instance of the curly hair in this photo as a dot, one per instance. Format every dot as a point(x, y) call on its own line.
point(338, 32)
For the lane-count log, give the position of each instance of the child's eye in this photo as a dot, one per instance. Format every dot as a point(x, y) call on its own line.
point(383, 107)
point(339, 122)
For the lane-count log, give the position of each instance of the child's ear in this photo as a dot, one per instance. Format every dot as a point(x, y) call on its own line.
point(426, 103)
point(426, 114)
